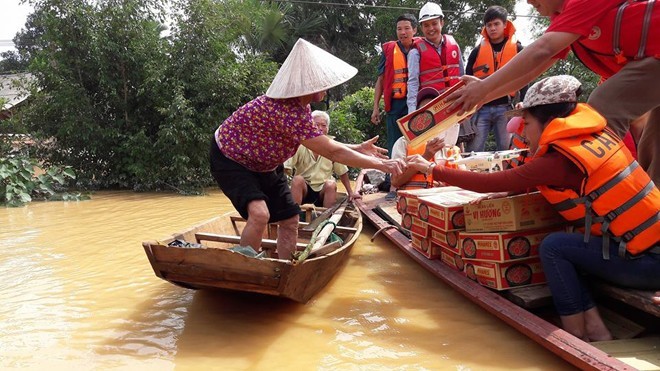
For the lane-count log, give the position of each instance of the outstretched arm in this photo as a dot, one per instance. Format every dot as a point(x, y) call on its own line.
point(520, 71)
point(347, 184)
point(378, 92)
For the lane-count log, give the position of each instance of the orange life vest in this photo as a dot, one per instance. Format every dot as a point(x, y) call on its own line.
point(487, 63)
point(396, 73)
point(627, 32)
point(418, 180)
point(439, 71)
point(519, 142)
point(617, 198)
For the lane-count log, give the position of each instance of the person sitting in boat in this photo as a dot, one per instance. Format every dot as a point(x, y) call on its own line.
point(411, 178)
point(585, 171)
point(313, 182)
point(249, 148)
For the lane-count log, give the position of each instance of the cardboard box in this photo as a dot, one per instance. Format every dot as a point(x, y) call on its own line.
point(446, 239)
point(431, 119)
point(502, 276)
point(502, 246)
point(415, 225)
point(444, 211)
point(408, 202)
point(425, 247)
point(452, 259)
point(520, 212)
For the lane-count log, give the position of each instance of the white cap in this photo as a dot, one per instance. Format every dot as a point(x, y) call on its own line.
point(430, 11)
point(308, 69)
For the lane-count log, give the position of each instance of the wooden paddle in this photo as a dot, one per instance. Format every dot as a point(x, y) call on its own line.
point(324, 215)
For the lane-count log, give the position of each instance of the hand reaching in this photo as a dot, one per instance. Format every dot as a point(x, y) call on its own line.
point(418, 163)
point(375, 117)
point(393, 166)
point(432, 146)
point(472, 95)
point(370, 148)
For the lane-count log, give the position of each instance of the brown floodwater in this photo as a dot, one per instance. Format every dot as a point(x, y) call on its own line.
point(78, 292)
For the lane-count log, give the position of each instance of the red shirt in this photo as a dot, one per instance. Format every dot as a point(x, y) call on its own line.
point(551, 169)
point(579, 17)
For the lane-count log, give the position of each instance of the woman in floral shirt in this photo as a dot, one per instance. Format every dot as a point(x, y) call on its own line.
point(250, 147)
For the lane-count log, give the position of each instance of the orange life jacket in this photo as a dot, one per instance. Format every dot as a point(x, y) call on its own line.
point(519, 142)
point(396, 73)
point(418, 180)
point(627, 32)
point(439, 71)
point(617, 198)
point(487, 63)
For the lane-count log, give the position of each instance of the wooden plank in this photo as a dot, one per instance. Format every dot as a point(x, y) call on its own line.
point(265, 243)
point(639, 299)
point(530, 297)
point(338, 228)
point(620, 327)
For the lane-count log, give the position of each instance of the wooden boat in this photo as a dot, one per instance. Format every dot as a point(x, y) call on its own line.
point(203, 260)
point(529, 313)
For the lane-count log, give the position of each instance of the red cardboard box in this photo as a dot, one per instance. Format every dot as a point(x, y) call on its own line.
point(502, 246)
point(425, 247)
point(502, 276)
point(408, 202)
point(431, 119)
point(515, 213)
point(444, 211)
point(446, 239)
point(415, 225)
point(452, 259)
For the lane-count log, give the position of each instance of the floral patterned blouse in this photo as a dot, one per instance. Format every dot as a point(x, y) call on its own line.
point(265, 132)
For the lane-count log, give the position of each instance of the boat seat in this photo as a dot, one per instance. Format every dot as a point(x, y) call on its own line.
point(265, 243)
point(639, 299)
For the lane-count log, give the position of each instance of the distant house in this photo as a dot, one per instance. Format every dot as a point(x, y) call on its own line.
point(12, 93)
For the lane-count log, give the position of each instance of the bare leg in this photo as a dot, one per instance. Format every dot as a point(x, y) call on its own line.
point(575, 325)
point(257, 222)
point(596, 329)
point(287, 236)
point(329, 193)
point(298, 189)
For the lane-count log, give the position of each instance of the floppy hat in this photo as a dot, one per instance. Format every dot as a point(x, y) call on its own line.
point(430, 11)
point(425, 93)
point(553, 89)
point(308, 69)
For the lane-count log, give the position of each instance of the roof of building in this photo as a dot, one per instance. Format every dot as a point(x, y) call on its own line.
point(12, 91)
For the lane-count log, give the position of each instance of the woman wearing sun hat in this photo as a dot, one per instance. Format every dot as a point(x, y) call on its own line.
point(251, 145)
point(586, 172)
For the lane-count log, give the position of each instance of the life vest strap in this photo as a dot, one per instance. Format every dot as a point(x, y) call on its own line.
point(628, 236)
point(645, 28)
point(620, 58)
point(401, 70)
point(612, 182)
point(606, 247)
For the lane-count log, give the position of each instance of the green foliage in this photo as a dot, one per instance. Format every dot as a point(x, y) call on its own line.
point(19, 184)
point(351, 119)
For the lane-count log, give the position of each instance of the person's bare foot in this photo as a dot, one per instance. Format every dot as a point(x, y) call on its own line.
point(595, 327)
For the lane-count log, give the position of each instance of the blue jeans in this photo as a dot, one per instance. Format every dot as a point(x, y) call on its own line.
point(487, 118)
point(398, 109)
point(565, 257)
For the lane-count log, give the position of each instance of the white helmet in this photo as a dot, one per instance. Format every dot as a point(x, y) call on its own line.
point(430, 11)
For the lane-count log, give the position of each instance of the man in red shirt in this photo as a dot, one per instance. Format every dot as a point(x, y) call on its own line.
point(593, 31)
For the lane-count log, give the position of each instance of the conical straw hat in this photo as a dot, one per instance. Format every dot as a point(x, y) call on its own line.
point(308, 69)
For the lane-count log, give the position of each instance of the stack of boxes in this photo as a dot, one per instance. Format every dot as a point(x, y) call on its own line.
point(494, 242)
point(502, 237)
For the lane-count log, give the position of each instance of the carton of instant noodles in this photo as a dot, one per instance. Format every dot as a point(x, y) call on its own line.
point(515, 213)
point(425, 247)
point(408, 202)
point(431, 119)
point(444, 211)
point(502, 246)
point(507, 275)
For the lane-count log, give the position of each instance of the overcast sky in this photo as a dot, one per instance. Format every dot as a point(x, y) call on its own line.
point(13, 15)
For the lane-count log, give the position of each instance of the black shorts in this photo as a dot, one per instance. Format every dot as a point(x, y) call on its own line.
point(312, 197)
point(243, 186)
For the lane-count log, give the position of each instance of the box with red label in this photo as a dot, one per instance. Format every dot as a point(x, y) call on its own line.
point(432, 119)
point(425, 247)
point(444, 211)
point(503, 276)
point(452, 259)
point(526, 211)
point(446, 239)
point(503, 246)
point(408, 202)
point(415, 225)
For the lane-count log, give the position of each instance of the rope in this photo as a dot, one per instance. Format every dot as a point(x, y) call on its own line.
point(308, 249)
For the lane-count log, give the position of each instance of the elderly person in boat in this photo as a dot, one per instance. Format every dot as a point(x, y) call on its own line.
point(586, 172)
point(251, 145)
